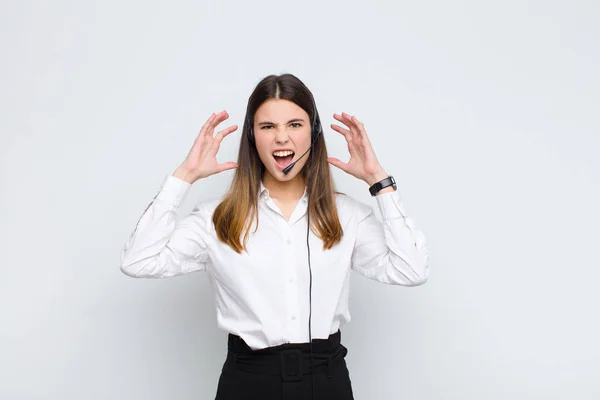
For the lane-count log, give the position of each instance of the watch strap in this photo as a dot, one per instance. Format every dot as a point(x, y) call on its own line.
point(389, 181)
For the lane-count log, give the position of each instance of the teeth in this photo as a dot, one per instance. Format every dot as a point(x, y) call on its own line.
point(283, 153)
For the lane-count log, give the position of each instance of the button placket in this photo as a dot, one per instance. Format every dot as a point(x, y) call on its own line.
point(288, 241)
point(290, 278)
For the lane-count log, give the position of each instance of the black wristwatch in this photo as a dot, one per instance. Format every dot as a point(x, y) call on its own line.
point(389, 181)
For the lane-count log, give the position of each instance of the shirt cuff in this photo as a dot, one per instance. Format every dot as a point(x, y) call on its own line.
point(391, 205)
point(173, 191)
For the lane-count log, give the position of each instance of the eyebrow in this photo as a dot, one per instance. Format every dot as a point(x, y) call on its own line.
point(271, 123)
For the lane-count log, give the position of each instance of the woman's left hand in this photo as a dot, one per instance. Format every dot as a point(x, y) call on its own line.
point(363, 163)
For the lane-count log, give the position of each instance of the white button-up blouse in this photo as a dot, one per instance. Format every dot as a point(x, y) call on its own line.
point(263, 295)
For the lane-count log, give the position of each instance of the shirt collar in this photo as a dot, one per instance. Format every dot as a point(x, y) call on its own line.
point(264, 192)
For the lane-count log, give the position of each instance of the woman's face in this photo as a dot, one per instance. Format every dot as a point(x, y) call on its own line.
point(281, 124)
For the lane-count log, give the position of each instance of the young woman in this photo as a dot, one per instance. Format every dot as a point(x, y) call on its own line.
point(279, 246)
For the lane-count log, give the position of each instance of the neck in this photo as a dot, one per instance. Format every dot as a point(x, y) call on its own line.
point(291, 190)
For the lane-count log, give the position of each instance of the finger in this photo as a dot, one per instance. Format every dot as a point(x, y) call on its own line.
point(359, 126)
point(345, 118)
point(338, 163)
point(347, 134)
point(352, 122)
point(225, 132)
point(342, 119)
point(226, 166)
point(220, 117)
point(206, 124)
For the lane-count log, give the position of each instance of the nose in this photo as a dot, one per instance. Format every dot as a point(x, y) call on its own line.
point(281, 136)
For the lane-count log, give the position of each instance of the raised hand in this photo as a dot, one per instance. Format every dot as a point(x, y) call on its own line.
point(363, 163)
point(201, 161)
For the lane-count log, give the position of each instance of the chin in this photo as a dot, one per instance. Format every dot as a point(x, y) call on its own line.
point(280, 176)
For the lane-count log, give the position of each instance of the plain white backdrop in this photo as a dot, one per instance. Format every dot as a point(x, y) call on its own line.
point(486, 113)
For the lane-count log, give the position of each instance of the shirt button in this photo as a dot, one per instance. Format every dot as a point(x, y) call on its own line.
point(289, 241)
point(293, 317)
point(291, 279)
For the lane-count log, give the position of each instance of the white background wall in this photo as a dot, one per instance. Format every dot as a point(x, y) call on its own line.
point(485, 112)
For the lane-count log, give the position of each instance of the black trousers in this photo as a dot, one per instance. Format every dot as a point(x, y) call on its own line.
point(284, 372)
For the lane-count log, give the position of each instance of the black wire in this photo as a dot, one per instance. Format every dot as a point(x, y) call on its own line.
point(312, 166)
point(310, 290)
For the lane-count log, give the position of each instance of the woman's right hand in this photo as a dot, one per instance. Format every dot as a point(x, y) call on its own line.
point(201, 161)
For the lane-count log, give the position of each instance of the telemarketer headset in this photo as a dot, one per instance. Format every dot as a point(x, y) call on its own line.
point(316, 131)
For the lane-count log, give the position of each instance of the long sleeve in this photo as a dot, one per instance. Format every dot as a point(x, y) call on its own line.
point(392, 251)
point(160, 247)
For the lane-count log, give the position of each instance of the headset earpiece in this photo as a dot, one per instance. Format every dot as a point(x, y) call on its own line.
point(318, 131)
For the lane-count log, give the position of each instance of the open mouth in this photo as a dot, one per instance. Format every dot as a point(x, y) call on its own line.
point(284, 161)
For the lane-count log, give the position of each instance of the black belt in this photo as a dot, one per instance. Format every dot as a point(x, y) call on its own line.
point(290, 363)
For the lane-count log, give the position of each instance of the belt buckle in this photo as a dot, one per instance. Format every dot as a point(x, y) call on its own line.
point(291, 358)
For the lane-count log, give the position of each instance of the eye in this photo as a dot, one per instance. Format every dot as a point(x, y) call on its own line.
point(293, 123)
